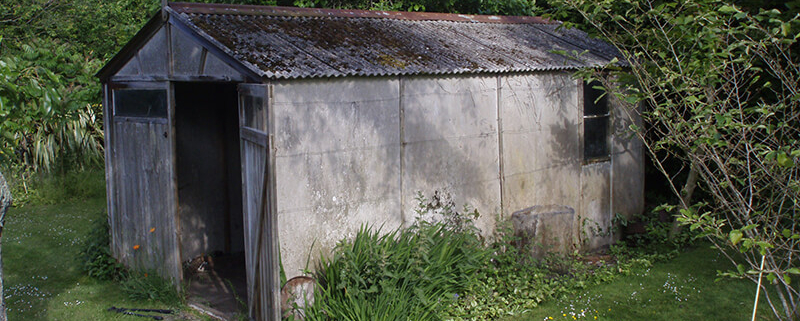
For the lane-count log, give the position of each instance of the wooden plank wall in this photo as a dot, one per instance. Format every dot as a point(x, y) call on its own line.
point(253, 168)
point(143, 219)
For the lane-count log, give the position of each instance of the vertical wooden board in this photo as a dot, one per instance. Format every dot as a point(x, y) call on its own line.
point(124, 185)
point(252, 176)
point(137, 213)
point(145, 201)
point(272, 253)
point(116, 181)
point(151, 186)
point(108, 157)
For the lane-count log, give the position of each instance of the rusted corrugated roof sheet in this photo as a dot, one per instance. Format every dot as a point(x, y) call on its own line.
point(277, 42)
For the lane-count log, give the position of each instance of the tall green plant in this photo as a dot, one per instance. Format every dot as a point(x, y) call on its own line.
point(404, 274)
point(721, 94)
point(47, 112)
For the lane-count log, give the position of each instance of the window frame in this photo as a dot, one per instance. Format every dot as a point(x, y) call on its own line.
point(116, 116)
point(592, 99)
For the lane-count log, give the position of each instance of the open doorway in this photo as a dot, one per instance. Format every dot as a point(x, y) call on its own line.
point(210, 196)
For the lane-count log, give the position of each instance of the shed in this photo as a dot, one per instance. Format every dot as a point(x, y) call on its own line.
point(276, 132)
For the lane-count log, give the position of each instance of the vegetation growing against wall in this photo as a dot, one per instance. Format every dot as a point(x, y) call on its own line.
point(444, 270)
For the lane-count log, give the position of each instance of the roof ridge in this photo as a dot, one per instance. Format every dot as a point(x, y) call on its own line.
point(242, 9)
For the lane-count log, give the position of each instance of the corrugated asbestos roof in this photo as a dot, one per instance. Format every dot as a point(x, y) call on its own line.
point(278, 42)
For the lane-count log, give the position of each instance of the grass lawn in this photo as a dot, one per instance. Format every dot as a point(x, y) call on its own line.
point(42, 276)
point(43, 280)
point(682, 289)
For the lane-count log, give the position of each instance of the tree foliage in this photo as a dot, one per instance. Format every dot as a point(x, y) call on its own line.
point(50, 112)
point(721, 94)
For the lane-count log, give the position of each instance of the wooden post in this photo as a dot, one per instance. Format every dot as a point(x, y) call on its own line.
point(164, 5)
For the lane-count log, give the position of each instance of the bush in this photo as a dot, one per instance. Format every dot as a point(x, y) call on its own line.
point(95, 255)
point(424, 268)
point(97, 262)
point(649, 235)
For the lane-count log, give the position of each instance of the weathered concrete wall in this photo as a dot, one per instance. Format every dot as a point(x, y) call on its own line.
point(353, 151)
point(337, 162)
point(595, 217)
point(450, 143)
point(627, 157)
point(542, 120)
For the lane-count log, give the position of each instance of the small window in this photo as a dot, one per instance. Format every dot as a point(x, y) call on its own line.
point(254, 113)
point(595, 122)
point(148, 103)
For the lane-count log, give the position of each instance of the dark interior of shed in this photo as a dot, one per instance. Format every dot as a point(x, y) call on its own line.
point(210, 195)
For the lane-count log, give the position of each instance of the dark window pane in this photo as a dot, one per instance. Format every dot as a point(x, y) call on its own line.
point(254, 113)
point(595, 142)
point(140, 103)
point(594, 104)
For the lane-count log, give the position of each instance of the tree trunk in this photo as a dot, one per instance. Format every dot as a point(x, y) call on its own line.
point(5, 203)
point(686, 198)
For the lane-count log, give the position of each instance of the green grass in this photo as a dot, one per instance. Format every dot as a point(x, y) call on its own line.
point(681, 289)
point(43, 280)
point(42, 276)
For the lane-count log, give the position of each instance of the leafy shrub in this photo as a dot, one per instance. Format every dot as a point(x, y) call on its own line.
point(405, 273)
point(649, 235)
point(97, 262)
point(511, 282)
point(95, 255)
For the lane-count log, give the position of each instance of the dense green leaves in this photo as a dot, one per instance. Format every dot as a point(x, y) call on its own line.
point(50, 112)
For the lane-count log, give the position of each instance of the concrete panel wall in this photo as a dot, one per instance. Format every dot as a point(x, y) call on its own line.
point(541, 119)
point(627, 156)
point(357, 150)
point(451, 144)
point(594, 220)
point(337, 162)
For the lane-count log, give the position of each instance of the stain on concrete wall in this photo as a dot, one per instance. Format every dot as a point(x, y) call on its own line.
point(450, 143)
point(541, 120)
point(337, 160)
